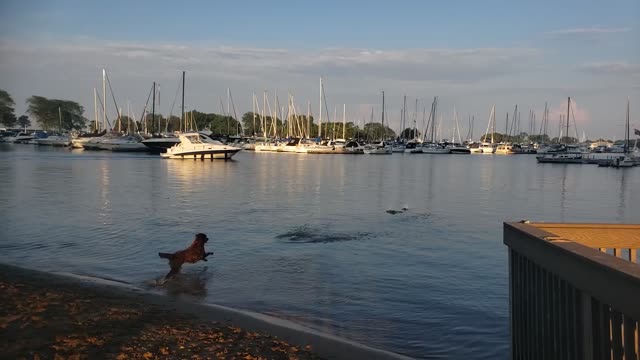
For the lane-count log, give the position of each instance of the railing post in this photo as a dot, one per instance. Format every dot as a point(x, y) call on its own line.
point(586, 321)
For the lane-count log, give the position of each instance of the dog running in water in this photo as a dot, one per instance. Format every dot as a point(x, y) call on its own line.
point(194, 253)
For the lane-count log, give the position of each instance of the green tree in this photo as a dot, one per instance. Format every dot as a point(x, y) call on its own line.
point(54, 113)
point(374, 131)
point(409, 133)
point(125, 123)
point(24, 121)
point(7, 116)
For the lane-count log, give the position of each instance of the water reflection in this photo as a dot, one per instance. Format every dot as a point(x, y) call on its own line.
point(622, 192)
point(104, 189)
point(563, 193)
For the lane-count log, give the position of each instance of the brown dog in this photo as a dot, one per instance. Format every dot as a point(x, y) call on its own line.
point(192, 254)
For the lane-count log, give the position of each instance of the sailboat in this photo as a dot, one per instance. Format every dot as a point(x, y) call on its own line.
point(457, 147)
point(380, 148)
point(56, 140)
point(489, 147)
point(432, 146)
point(627, 160)
point(566, 153)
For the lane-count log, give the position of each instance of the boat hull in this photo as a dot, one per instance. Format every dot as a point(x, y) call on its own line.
point(160, 145)
point(561, 159)
point(202, 155)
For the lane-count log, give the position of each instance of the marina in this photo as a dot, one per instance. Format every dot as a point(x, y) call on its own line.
point(342, 180)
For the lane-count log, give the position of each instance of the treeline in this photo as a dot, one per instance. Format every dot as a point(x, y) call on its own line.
point(50, 114)
point(302, 125)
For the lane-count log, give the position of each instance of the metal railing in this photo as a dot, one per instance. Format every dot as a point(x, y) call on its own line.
point(574, 290)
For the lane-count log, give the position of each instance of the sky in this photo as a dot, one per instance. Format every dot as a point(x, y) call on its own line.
point(470, 54)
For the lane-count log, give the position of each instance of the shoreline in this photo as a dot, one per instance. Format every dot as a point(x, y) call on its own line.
point(151, 316)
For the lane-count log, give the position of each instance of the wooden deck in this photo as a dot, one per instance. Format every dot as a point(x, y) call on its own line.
point(574, 290)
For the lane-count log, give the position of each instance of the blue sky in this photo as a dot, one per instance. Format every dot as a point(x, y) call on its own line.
point(471, 54)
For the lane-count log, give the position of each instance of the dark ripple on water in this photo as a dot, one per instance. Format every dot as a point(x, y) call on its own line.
point(307, 234)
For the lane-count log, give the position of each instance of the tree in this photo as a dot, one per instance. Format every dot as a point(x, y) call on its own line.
point(409, 133)
point(374, 131)
point(7, 116)
point(53, 113)
point(24, 121)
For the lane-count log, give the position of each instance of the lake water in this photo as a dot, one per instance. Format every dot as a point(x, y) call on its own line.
point(308, 237)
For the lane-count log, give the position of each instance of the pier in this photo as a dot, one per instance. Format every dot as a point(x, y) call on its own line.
point(574, 290)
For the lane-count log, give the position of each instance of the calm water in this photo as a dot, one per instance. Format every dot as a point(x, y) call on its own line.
point(307, 237)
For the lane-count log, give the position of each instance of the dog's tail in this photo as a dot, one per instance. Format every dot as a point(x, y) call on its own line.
point(166, 255)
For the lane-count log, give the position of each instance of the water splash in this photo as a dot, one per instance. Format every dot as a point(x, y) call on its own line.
point(306, 234)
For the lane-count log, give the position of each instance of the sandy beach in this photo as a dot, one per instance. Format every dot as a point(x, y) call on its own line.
point(44, 318)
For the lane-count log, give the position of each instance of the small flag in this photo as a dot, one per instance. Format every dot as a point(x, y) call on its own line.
point(636, 132)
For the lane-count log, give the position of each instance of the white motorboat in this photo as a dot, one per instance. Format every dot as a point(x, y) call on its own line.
point(488, 148)
point(55, 140)
point(378, 149)
point(455, 148)
point(191, 146)
point(19, 138)
point(399, 148)
point(413, 147)
point(434, 148)
point(129, 143)
point(353, 147)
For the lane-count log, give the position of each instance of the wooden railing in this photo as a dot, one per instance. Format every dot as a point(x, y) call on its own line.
point(574, 290)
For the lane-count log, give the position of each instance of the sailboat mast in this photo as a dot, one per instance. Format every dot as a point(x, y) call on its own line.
point(308, 119)
point(104, 99)
point(344, 118)
point(153, 110)
point(567, 119)
point(59, 120)
point(183, 119)
point(95, 109)
point(253, 111)
point(320, 121)
point(627, 137)
point(493, 118)
point(383, 116)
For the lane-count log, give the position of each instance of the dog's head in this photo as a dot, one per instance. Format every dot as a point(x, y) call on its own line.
point(202, 237)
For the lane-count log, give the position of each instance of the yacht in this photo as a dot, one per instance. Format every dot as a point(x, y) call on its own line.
point(488, 148)
point(474, 148)
point(435, 148)
point(54, 140)
point(192, 146)
point(19, 138)
point(457, 148)
point(563, 153)
point(161, 143)
point(128, 143)
point(504, 149)
point(413, 147)
point(378, 149)
point(353, 147)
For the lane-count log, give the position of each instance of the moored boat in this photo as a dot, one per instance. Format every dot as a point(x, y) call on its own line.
point(191, 146)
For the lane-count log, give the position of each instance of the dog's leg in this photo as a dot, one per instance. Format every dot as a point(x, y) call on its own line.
point(175, 268)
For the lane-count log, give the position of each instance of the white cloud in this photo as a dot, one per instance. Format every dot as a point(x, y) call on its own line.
point(472, 79)
point(589, 31)
point(612, 68)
